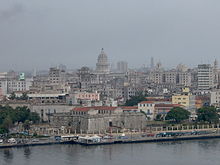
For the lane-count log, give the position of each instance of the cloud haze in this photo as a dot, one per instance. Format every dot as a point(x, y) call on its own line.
point(12, 11)
point(42, 33)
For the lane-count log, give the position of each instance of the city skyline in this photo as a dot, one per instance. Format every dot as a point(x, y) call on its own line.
point(40, 34)
point(112, 65)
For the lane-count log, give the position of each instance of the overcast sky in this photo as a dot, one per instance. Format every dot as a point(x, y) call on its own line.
point(43, 33)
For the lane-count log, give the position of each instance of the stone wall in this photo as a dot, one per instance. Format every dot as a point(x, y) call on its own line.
point(100, 122)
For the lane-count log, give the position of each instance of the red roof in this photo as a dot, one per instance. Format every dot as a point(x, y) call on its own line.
point(146, 102)
point(85, 109)
point(128, 107)
point(168, 105)
point(157, 99)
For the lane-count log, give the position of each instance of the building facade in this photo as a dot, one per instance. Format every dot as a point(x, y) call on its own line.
point(102, 65)
point(99, 119)
point(205, 77)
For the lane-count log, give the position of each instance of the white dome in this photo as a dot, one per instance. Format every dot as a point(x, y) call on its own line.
point(102, 65)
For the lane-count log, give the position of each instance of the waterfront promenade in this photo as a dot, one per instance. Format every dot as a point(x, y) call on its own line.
point(155, 134)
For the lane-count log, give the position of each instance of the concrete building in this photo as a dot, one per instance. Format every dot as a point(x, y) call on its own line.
point(46, 111)
point(99, 119)
point(122, 67)
point(175, 78)
point(56, 76)
point(216, 73)
point(14, 85)
point(59, 98)
point(215, 97)
point(163, 109)
point(205, 77)
point(202, 100)
point(4, 86)
point(148, 107)
point(88, 96)
point(185, 99)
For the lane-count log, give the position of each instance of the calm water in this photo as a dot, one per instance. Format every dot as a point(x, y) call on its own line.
point(206, 152)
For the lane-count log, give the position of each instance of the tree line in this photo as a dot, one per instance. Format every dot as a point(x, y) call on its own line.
point(206, 114)
point(10, 116)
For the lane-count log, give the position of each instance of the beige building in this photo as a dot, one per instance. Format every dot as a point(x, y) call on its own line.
point(88, 96)
point(185, 98)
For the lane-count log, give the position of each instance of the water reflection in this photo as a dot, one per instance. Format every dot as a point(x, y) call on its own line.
point(27, 152)
point(201, 152)
point(211, 144)
point(8, 156)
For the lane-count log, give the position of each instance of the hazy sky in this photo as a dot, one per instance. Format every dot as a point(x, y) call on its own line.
point(43, 33)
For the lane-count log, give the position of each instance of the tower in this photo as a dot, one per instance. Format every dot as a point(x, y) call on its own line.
point(216, 72)
point(152, 63)
point(205, 76)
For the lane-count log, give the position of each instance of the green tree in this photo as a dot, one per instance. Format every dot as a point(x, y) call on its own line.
point(134, 100)
point(7, 123)
point(208, 114)
point(9, 116)
point(12, 96)
point(24, 96)
point(27, 125)
point(34, 117)
point(177, 115)
point(159, 117)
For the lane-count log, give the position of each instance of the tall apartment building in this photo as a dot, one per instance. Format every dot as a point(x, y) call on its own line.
point(181, 78)
point(122, 67)
point(205, 77)
point(56, 76)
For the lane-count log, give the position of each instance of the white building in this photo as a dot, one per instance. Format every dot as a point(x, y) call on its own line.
point(215, 97)
point(102, 65)
point(205, 77)
point(148, 107)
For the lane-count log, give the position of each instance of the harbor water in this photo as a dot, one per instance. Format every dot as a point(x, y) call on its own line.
point(196, 152)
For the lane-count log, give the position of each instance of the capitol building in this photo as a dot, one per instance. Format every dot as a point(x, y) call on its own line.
point(102, 65)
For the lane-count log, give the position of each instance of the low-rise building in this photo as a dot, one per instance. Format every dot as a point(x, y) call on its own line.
point(99, 119)
point(48, 98)
point(163, 109)
point(46, 111)
point(186, 99)
point(148, 107)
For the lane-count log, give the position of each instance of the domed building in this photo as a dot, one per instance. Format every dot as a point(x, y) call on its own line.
point(102, 65)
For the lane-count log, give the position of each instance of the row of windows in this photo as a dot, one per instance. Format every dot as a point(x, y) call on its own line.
point(146, 105)
point(78, 113)
point(104, 112)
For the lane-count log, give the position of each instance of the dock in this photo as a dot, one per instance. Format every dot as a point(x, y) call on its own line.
point(159, 137)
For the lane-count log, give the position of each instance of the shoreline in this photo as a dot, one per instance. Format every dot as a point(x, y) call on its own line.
point(118, 141)
point(34, 144)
